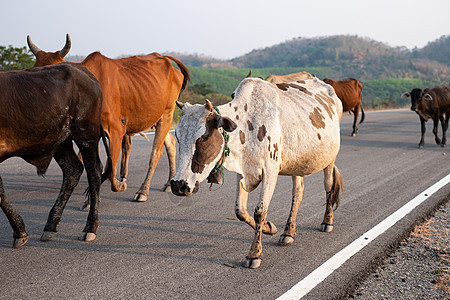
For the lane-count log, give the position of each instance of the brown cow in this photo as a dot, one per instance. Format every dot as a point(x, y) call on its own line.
point(289, 77)
point(138, 93)
point(349, 91)
point(431, 104)
point(43, 111)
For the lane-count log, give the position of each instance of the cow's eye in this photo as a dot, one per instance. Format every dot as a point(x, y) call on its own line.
point(204, 137)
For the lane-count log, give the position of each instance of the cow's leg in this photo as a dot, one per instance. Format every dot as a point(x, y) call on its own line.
point(162, 128)
point(115, 145)
point(444, 123)
point(170, 144)
point(333, 186)
point(15, 220)
point(93, 168)
point(242, 213)
point(126, 150)
point(435, 130)
point(269, 181)
point(355, 119)
point(297, 195)
point(422, 132)
point(72, 168)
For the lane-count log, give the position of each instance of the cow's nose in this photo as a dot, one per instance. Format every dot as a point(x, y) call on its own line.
point(180, 188)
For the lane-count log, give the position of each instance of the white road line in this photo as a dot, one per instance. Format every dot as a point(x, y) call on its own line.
point(318, 275)
point(152, 132)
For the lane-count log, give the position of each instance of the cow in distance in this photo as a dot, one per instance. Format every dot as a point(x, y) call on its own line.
point(349, 91)
point(431, 104)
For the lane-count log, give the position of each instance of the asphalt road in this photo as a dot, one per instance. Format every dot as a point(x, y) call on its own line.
point(177, 248)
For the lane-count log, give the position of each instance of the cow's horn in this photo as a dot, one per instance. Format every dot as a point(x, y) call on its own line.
point(208, 105)
point(35, 49)
point(63, 52)
point(180, 104)
point(427, 97)
point(249, 74)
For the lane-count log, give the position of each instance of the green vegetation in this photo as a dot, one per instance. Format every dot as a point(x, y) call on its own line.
point(15, 58)
point(386, 72)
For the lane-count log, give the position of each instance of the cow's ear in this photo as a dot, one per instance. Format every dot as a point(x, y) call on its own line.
point(226, 124)
point(406, 95)
point(427, 97)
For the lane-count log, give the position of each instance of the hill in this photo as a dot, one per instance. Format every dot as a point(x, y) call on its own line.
point(385, 71)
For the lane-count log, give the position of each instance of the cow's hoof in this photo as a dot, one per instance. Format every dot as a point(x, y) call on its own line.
point(270, 228)
point(140, 197)
point(85, 206)
point(252, 263)
point(119, 186)
point(88, 236)
point(285, 240)
point(167, 188)
point(442, 145)
point(326, 227)
point(420, 146)
point(19, 242)
point(47, 236)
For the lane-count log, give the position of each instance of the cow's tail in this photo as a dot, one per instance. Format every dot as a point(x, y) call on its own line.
point(362, 114)
point(184, 70)
point(337, 188)
point(108, 170)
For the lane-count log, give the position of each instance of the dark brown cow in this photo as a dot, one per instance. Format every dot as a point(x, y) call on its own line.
point(42, 111)
point(349, 91)
point(431, 104)
point(138, 93)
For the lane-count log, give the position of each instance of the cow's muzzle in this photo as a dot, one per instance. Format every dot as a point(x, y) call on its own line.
point(180, 188)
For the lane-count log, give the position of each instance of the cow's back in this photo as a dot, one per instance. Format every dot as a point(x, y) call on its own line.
point(40, 105)
point(289, 77)
point(441, 95)
point(295, 124)
point(136, 88)
point(348, 90)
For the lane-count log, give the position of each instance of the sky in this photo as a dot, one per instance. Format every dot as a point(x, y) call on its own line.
point(218, 28)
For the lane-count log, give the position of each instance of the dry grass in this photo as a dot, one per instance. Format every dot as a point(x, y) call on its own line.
point(436, 238)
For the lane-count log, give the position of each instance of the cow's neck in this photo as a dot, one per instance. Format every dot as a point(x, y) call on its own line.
point(232, 162)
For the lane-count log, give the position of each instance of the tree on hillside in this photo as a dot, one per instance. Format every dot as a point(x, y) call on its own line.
point(12, 58)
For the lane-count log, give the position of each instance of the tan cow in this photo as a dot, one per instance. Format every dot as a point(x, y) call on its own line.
point(138, 93)
point(289, 77)
point(267, 130)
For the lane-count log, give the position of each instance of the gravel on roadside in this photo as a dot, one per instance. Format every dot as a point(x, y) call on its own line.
point(419, 268)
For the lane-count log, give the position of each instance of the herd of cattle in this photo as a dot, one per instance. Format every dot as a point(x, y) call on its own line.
point(283, 125)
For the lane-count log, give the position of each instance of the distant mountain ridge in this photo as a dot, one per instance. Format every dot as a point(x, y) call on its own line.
point(343, 56)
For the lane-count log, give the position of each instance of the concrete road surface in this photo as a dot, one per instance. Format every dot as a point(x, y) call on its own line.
point(182, 248)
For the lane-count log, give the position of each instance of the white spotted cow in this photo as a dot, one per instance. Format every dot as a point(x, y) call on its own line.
point(287, 129)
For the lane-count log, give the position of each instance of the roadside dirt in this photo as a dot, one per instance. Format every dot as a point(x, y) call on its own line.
point(419, 268)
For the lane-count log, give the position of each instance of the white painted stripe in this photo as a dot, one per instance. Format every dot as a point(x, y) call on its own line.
point(318, 275)
point(152, 132)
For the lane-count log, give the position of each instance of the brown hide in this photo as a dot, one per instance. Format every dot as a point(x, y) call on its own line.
point(43, 111)
point(138, 93)
point(289, 77)
point(348, 90)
